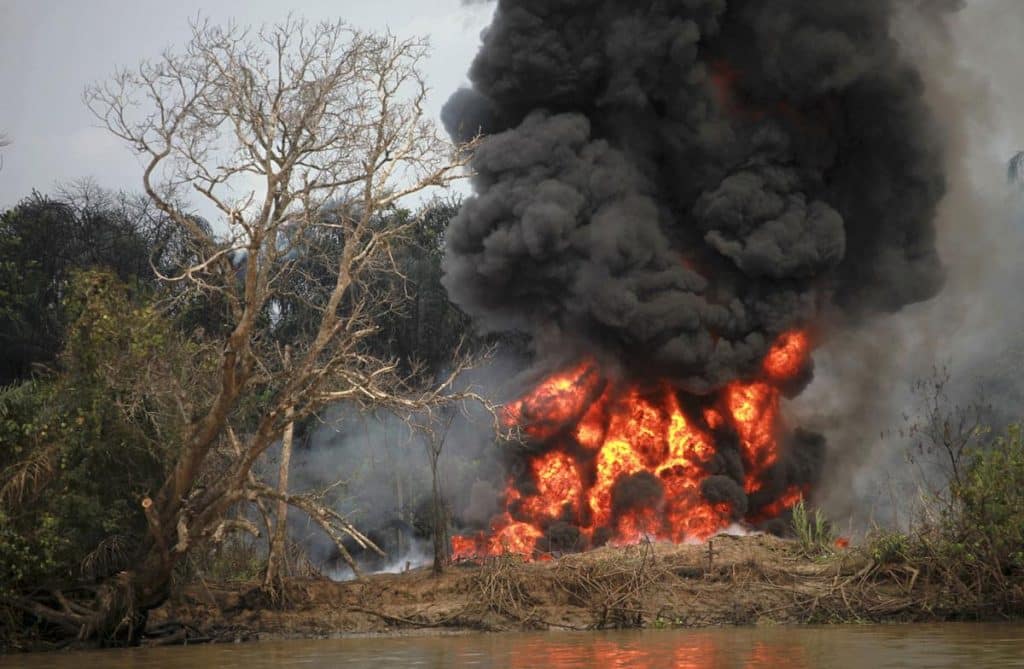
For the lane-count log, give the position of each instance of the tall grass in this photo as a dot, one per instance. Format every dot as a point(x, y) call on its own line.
point(814, 533)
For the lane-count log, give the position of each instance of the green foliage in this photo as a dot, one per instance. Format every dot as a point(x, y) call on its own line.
point(986, 523)
point(45, 240)
point(970, 543)
point(79, 449)
point(31, 544)
point(887, 547)
point(813, 531)
point(84, 438)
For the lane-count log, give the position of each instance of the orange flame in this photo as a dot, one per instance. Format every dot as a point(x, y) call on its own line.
point(558, 400)
point(599, 433)
point(781, 504)
point(754, 408)
point(558, 485)
point(516, 537)
point(786, 358)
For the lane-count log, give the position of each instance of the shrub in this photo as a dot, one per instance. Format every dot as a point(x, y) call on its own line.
point(887, 547)
point(984, 528)
point(79, 448)
point(971, 547)
point(813, 532)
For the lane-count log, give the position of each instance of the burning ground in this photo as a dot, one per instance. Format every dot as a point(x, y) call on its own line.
point(674, 201)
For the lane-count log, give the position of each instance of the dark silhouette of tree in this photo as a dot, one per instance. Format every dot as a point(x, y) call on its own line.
point(44, 239)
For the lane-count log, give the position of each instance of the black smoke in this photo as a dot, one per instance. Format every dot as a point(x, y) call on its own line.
point(635, 492)
point(719, 488)
point(677, 183)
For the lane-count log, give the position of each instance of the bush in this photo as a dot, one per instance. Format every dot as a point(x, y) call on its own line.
point(984, 528)
point(887, 547)
point(971, 546)
point(813, 532)
point(81, 447)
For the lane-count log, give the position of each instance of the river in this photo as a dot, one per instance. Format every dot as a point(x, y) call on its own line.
point(841, 646)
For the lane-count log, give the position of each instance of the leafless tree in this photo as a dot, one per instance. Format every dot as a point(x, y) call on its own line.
point(276, 563)
point(434, 429)
point(945, 434)
point(288, 132)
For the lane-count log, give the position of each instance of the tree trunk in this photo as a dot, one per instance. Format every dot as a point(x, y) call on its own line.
point(440, 548)
point(114, 613)
point(273, 580)
point(400, 508)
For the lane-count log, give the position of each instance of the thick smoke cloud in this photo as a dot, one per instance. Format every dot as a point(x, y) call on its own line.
point(635, 492)
point(862, 395)
point(678, 183)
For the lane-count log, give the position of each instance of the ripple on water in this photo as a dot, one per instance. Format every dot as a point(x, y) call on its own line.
point(839, 647)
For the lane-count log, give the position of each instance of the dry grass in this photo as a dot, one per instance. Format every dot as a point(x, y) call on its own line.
point(616, 587)
point(500, 585)
point(731, 580)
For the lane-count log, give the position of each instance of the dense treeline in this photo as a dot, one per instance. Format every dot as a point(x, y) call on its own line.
point(44, 240)
point(91, 340)
point(144, 340)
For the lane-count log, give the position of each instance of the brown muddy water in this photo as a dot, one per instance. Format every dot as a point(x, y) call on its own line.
point(841, 646)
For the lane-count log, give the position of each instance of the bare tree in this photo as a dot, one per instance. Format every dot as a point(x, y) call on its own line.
point(1015, 168)
point(287, 132)
point(945, 434)
point(435, 432)
point(272, 582)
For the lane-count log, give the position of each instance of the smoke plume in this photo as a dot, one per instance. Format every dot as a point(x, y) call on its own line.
point(676, 184)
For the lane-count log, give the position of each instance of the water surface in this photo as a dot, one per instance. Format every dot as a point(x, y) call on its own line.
point(945, 645)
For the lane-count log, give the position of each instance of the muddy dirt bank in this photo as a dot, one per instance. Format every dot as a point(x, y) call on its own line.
point(730, 581)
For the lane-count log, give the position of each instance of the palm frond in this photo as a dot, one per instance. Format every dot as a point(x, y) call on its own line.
point(28, 476)
point(14, 395)
point(109, 557)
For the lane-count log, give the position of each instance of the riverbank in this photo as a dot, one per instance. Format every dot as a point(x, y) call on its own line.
point(751, 580)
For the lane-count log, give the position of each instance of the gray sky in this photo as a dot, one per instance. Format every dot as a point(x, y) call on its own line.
point(51, 49)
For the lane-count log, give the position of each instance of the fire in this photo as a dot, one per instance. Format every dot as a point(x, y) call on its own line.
point(754, 408)
point(554, 403)
point(516, 537)
point(787, 356)
point(558, 484)
point(617, 458)
point(625, 462)
point(786, 500)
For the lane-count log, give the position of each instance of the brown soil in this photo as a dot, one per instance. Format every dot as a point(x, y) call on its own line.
point(729, 581)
